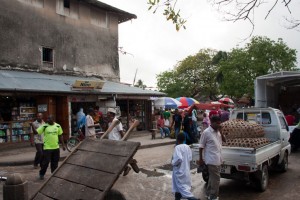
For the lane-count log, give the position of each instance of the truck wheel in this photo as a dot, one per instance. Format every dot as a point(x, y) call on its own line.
point(283, 166)
point(205, 175)
point(262, 178)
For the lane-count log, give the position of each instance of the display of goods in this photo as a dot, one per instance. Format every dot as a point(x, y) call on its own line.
point(247, 142)
point(239, 128)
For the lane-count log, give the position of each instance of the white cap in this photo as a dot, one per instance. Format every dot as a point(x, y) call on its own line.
point(112, 110)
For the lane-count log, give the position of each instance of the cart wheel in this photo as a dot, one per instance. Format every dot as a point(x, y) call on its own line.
point(72, 143)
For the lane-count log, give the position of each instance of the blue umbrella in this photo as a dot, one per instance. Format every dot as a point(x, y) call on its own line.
point(186, 101)
point(166, 102)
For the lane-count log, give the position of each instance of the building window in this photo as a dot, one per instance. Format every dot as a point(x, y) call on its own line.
point(100, 18)
point(47, 55)
point(68, 8)
point(67, 3)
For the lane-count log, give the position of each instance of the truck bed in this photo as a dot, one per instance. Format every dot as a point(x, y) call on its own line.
point(252, 157)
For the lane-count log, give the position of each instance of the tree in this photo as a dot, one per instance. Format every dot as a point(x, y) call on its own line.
point(244, 9)
point(169, 11)
point(192, 76)
point(140, 84)
point(169, 83)
point(259, 57)
point(232, 10)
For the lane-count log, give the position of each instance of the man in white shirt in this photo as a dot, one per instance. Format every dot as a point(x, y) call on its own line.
point(181, 176)
point(89, 125)
point(38, 140)
point(211, 143)
point(117, 132)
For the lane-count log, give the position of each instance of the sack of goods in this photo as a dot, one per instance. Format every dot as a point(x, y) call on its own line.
point(240, 133)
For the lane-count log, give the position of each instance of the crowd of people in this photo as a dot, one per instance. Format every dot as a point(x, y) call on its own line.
point(46, 138)
point(47, 135)
point(210, 147)
point(87, 123)
point(170, 124)
point(209, 155)
point(184, 124)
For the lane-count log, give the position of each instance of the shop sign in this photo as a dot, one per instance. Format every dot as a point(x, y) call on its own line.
point(88, 84)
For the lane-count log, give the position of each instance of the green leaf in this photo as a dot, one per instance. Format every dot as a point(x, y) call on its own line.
point(192, 76)
point(259, 57)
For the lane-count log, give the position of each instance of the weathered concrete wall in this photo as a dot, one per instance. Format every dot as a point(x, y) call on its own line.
point(79, 46)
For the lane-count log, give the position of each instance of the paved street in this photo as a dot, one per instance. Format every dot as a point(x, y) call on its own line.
point(281, 186)
point(154, 180)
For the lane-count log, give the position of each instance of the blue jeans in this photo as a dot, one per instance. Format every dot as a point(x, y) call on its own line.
point(164, 131)
point(177, 131)
point(194, 128)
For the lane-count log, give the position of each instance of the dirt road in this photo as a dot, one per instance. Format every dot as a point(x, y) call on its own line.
point(154, 180)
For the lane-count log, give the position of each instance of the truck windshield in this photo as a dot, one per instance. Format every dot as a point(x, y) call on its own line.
point(255, 117)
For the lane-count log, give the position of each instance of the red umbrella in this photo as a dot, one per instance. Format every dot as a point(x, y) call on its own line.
point(226, 100)
point(186, 101)
point(208, 106)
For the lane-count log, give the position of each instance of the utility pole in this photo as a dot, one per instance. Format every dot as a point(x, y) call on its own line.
point(135, 76)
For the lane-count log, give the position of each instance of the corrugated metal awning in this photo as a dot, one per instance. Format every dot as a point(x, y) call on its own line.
point(20, 81)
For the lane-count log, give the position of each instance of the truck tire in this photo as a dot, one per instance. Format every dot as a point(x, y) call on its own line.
point(262, 178)
point(283, 166)
point(205, 174)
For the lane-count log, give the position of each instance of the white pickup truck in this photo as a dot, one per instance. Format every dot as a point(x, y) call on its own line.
point(252, 164)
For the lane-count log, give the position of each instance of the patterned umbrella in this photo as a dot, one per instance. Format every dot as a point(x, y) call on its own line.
point(186, 101)
point(226, 100)
point(166, 102)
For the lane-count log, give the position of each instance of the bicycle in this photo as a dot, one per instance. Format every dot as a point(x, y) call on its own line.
point(73, 141)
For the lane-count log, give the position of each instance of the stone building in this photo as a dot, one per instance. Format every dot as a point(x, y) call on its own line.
point(61, 37)
point(57, 56)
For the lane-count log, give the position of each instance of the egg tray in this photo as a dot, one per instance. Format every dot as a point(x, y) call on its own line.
point(247, 142)
point(238, 128)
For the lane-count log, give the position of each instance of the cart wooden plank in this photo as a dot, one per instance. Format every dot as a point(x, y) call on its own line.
point(90, 171)
point(61, 189)
point(86, 176)
point(107, 163)
point(40, 196)
point(110, 147)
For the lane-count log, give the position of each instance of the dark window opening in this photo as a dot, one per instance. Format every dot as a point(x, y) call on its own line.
point(47, 55)
point(67, 3)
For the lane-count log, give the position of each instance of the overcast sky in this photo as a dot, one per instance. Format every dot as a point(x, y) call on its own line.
point(156, 46)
